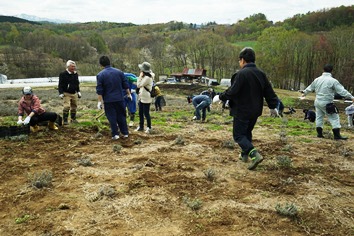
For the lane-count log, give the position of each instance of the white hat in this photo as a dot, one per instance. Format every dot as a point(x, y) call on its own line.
point(145, 67)
point(27, 90)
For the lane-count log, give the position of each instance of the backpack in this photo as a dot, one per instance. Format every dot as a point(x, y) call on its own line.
point(153, 92)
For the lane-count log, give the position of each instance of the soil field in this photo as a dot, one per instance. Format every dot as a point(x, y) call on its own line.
point(185, 178)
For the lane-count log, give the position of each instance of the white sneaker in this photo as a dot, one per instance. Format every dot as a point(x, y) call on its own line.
point(138, 129)
point(194, 118)
point(126, 136)
point(148, 130)
point(115, 137)
point(131, 123)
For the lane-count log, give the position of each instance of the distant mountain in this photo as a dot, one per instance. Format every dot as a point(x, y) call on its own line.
point(13, 19)
point(39, 19)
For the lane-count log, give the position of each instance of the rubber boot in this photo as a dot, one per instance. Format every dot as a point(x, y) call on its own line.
point(319, 132)
point(52, 126)
point(34, 128)
point(65, 118)
point(243, 156)
point(256, 158)
point(337, 136)
point(73, 117)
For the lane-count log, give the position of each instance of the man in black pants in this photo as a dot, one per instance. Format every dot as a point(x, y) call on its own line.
point(250, 85)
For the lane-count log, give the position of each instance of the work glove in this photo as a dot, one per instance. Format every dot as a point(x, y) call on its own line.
point(274, 112)
point(216, 98)
point(99, 105)
point(19, 122)
point(27, 120)
point(61, 96)
point(130, 97)
point(78, 94)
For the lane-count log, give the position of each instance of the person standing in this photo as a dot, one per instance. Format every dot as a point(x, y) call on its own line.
point(110, 85)
point(145, 82)
point(201, 103)
point(249, 86)
point(69, 91)
point(31, 105)
point(325, 88)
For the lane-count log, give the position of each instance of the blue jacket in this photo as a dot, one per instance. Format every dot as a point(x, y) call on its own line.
point(201, 98)
point(110, 84)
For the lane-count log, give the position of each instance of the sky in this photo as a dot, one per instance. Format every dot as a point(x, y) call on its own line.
point(163, 11)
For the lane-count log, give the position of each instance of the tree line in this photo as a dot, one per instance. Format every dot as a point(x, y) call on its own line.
point(290, 53)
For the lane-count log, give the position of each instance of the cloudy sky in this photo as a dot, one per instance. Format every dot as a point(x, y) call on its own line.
point(162, 11)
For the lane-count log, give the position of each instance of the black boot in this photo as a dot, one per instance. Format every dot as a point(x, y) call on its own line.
point(73, 117)
point(337, 136)
point(65, 118)
point(319, 132)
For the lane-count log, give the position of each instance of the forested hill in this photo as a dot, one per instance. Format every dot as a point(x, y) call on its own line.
point(322, 20)
point(13, 19)
point(292, 52)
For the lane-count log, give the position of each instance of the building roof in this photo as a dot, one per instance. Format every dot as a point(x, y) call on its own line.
point(191, 73)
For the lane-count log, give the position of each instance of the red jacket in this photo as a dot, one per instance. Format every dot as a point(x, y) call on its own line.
point(34, 106)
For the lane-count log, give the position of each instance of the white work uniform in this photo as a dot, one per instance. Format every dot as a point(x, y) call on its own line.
point(325, 88)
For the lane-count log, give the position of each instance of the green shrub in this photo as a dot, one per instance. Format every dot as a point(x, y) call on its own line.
point(289, 210)
point(209, 174)
point(195, 204)
point(284, 161)
point(179, 140)
point(117, 148)
point(84, 162)
point(42, 179)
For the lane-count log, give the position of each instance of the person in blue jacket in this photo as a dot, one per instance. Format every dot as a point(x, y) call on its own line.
point(110, 85)
point(201, 103)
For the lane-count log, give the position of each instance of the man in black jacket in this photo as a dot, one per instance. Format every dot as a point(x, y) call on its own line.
point(249, 86)
point(69, 90)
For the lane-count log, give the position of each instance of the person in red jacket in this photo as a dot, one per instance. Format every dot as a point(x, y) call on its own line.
point(31, 105)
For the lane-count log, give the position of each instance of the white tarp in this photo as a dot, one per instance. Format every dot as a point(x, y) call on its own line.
point(3, 79)
point(41, 82)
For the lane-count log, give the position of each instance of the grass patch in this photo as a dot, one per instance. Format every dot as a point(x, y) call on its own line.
point(214, 127)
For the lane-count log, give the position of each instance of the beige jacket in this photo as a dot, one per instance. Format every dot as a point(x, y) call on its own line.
point(144, 96)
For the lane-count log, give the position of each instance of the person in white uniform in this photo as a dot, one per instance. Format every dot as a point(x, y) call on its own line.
point(325, 88)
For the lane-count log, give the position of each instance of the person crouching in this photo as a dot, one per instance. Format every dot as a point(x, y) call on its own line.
point(31, 105)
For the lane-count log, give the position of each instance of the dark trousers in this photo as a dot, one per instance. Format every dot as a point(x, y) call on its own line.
point(115, 113)
point(46, 116)
point(144, 110)
point(158, 103)
point(242, 133)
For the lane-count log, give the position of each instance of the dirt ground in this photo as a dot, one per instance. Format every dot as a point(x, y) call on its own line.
point(188, 182)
